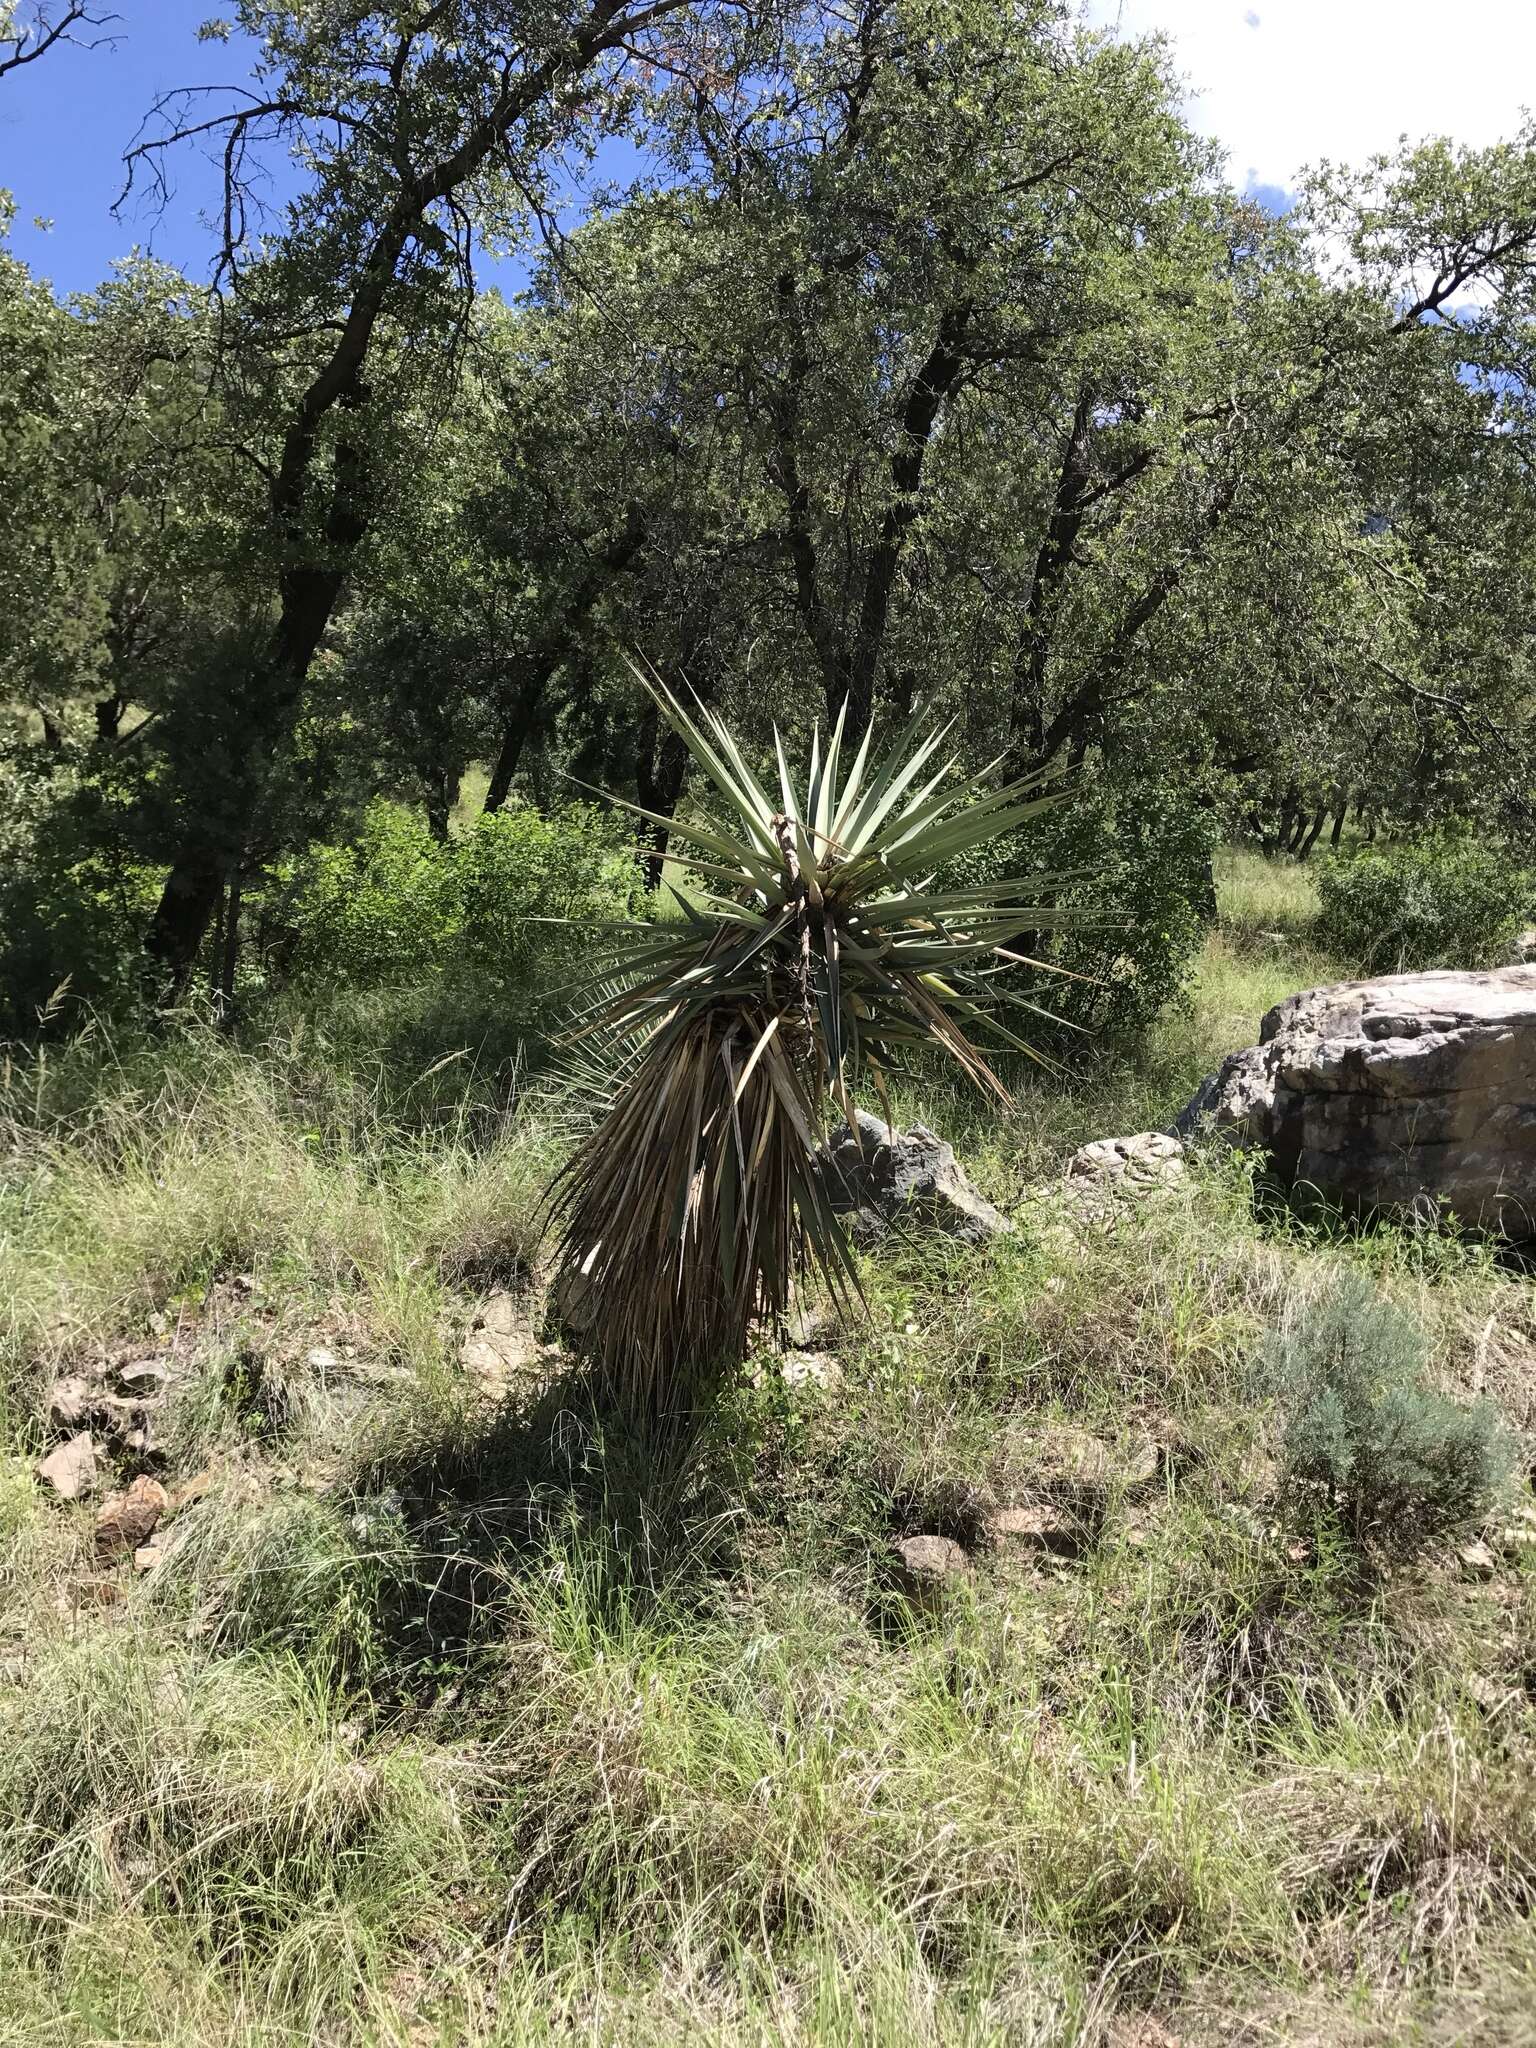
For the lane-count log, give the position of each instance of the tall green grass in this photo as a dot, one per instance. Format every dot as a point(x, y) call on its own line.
point(448, 1723)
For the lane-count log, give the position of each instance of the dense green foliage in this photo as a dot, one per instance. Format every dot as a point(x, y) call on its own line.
point(1129, 863)
point(1434, 902)
point(516, 903)
point(1367, 1437)
point(931, 361)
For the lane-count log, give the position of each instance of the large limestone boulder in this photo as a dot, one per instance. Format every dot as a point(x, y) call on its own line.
point(878, 1176)
point(1402, 1095)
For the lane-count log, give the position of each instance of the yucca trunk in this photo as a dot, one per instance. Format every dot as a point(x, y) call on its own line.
point(681, 1217)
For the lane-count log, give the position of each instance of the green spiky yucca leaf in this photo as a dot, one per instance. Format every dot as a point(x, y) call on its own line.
point(821, 953)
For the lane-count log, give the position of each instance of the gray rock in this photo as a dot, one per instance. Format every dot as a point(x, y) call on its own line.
point(145, 1378)
point(121, 1420)
point(926, 1570)
point(71, 1469)
point(1077, 1463)
point(818, 1369)
point(878, 1177)
point(69, 1403)
point(1406, 1095)
point(1037, 1527)
point(500, 1347)
point(1113, 1171)
point(126, 1521)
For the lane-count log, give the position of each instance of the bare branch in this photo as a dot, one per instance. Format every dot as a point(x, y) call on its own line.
point(48, 30)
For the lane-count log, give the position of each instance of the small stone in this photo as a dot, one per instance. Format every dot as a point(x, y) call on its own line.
point(500, 1345)
point(150, 1554)
point(1112, 1173)
point(126, 1424)
point(877, 1176)
point(501, 1315)
point(928, 1568)
point(1490, 1697)
point(70, 1402)
point(128, 1519)
point(1139, 1461)
point(931, 1554)
point(807, 1328)
point(812, 1369)
point(1477, 1560)
point(146, 1377)
point(1038, 1528)
point(71, 1469)
point(1517, 1539)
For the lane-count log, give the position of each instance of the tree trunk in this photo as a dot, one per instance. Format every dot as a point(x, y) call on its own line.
point(260, 718)
point(515, 735)
point(1303, 851)
point(930, 390)
point(187, 902)
point(442, 796)
point(660, 772)
point(229, 954)
point(541, 663)
point(1280, 839)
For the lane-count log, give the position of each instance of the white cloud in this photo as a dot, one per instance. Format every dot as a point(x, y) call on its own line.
point(1287, 82)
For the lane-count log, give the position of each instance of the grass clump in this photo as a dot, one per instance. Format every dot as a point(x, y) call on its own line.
point(1367, 1438)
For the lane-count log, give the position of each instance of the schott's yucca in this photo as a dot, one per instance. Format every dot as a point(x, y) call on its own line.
point(822, 952)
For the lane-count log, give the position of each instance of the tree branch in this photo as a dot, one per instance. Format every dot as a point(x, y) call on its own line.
point(46, 33)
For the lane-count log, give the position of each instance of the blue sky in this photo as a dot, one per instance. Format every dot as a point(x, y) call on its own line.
point(1279, 82)
point(65, 122)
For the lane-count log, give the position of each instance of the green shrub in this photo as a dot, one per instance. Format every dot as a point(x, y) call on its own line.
point(1367, 1440)
point(381, 909)
point(1137, 857)
point(1424, 903)
point(513, 903)
point(533, 888)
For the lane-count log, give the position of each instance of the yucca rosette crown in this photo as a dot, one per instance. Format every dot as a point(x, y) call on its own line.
point(818, 953)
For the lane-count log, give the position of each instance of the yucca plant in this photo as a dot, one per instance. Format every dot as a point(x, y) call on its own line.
point(822, 952)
